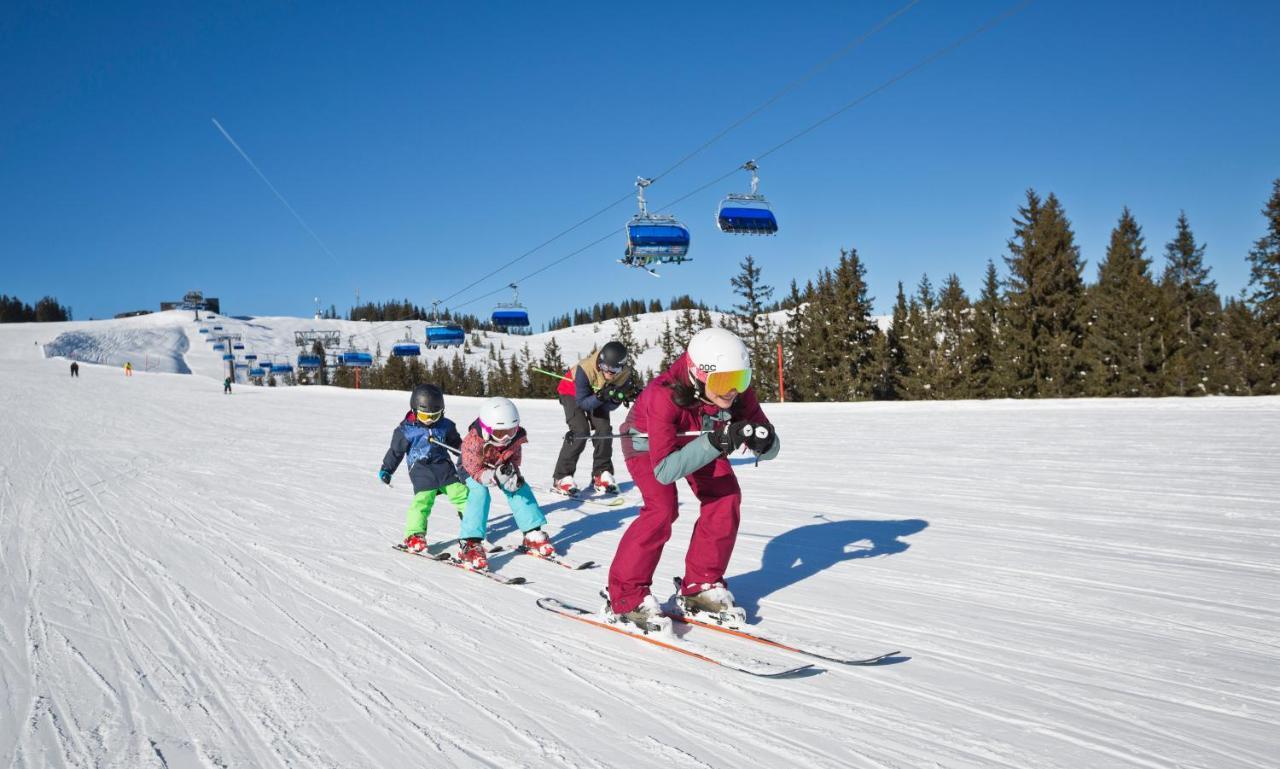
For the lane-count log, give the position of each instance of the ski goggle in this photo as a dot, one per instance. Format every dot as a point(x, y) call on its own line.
point(501, 436)
point(724, 382)
point(606, 368)
point(429, 417)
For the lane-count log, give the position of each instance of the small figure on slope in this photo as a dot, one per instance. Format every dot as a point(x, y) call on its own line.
point(599, 384)
point(491, 457)
point(431, 466)
point(226, 386)
point(708, 389)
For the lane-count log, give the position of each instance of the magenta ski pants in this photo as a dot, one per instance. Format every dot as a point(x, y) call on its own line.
point(714, 533)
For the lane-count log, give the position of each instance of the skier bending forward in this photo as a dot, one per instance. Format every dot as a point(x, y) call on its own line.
point(709, 389)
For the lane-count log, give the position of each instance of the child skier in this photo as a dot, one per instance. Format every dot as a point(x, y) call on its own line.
point(599, 384)
point(707, 388)
point(491, 458)
point(431, 467)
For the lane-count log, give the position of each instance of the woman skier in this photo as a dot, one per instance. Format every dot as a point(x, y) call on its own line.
point(707, 389)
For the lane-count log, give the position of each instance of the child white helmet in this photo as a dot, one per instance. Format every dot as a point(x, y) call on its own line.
point(718, 362)
point(499, 415)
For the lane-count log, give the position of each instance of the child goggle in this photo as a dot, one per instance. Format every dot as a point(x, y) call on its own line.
point(429, 417)
point(724, 382)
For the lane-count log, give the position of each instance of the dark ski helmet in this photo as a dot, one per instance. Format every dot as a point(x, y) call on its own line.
point(613, 358)
point(427, 402)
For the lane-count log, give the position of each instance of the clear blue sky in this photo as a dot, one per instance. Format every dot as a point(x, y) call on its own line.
point(428, 143)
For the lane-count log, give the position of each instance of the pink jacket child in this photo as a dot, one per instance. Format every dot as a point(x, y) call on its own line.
point(707, 389)
point(491, 454)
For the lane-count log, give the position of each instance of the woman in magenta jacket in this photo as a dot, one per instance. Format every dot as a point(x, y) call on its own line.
point(706, 392)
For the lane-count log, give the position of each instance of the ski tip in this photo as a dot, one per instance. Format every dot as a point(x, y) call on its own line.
point(517, 581)
point(586, 565)
point(888, 658)
point(796, 672)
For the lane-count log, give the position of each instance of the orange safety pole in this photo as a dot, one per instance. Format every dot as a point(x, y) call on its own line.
point(357, 378)
point(782, 390)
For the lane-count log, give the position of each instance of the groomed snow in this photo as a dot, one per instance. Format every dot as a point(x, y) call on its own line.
point(189, 579)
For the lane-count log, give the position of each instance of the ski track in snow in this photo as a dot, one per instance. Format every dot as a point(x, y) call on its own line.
point(194, 580)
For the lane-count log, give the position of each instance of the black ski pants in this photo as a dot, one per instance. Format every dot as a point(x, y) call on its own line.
point(581, 423)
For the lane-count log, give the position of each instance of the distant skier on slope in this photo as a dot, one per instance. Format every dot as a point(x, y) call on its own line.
point(75, 369)
point(708, 388)
point(226, 386)
point(431, 466)
point(128, 369)
point(491, 457)
point(599, 384)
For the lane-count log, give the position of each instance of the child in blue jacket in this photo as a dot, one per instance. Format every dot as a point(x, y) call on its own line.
point(431, 466)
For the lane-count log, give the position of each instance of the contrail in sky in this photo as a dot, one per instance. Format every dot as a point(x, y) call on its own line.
point(264, 178)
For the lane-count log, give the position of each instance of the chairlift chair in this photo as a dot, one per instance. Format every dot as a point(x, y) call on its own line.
point(406, 348)
point(654, 238)
point(747, 214)
point(441, 334)
point(511, 314)
point(309, 361)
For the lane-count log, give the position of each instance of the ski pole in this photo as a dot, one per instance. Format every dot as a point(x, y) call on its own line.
point(445, 446)
point(548, 373)
point(612, 436)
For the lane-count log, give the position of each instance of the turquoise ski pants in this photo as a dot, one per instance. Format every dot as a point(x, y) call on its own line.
point(475, 519)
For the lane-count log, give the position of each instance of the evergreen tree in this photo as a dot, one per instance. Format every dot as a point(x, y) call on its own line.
point(1264, 280)
point(843, 348)
point(667, 346)
point(1192, 313)
point(985, 372)
point(896, 368)
point(748, 321)
point(799, 346)
point(1124, 338)
point(921, 342)
point(1240, 365)
point(954, 341)
point(626, 335)
point(1045, 303)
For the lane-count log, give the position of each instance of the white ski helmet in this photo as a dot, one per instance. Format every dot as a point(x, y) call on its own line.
point(499, 414)
point(718, 362)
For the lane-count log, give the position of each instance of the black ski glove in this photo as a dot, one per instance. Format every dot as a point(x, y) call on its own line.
point(729, 436)
point(384, 476)
point(761, 439)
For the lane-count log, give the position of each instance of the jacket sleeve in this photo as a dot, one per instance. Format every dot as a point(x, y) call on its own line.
point(452, 438)
point(751, 411)
point(583, 394)
point(672, 462)
point(473, 454)
point(399, 445)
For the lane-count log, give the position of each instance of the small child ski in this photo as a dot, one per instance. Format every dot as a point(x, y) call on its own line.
point(431, 467)
point(491, 458)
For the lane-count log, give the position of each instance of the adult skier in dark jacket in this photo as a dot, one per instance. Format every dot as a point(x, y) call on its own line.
point(706, 392)
point(590, 391)
point(431, 467)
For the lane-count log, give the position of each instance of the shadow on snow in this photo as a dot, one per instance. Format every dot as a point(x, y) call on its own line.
point(801, 553)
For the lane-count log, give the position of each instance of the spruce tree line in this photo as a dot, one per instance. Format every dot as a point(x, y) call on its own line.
point(1041, 332)
point(14, 310)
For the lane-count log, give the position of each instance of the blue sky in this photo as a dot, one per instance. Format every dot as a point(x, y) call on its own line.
point(426, 144)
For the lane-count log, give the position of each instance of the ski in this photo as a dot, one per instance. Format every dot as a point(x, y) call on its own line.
point(557, 560)
point(688, 648)
point(750, 635)
point(454, 562)
point(612, 500)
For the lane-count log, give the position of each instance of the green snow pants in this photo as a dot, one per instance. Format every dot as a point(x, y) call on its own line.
point(415, 520)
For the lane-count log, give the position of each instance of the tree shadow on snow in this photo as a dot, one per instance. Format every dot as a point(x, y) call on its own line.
point(804, 551)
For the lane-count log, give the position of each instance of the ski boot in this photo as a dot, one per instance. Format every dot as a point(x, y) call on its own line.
point(647, 617)
point(604, 484)
point(537, 543)
point(712, 603)
point(472, 555)
point(566, 486)
point(415, 543)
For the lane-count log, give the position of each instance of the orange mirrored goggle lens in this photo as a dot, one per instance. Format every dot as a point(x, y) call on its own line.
point(722, 382)
point(429, 417)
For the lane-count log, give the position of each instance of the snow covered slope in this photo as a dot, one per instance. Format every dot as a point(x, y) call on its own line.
point(189, 579)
